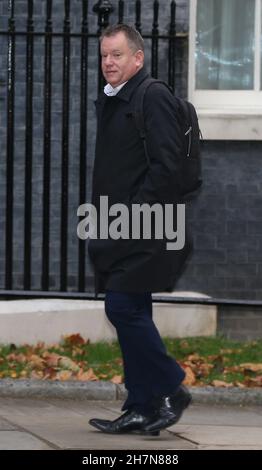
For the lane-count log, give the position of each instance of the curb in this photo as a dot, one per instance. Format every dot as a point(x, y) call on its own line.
point(103, 390)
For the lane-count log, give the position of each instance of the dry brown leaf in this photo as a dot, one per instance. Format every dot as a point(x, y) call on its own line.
point(194, 357)
point(64, 375)
point(200, 384)
point(51, 359)
point(251, 366)
point(190, 377)
point(232, 369)
point(254, 381)
point(213, 357)
point(221, 383)
point(86, 376)
point(23, 373)
point(189, 364)
point(239, 384)
point(11, 357)
point(67, 363)
point(117, 379)
point(49, 373)
point(21, 358)
point(36, 374)
point(36, 362)
point(119, 361)
point(78, 352)
point(90, 375)
point(204, 369)
point(74, 340)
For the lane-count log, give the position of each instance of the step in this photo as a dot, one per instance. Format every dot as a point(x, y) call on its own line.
point(47, 320)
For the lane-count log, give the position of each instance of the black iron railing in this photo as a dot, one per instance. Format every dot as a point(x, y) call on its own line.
point(99, 13)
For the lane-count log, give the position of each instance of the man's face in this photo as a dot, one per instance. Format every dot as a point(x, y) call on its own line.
point(119, 62)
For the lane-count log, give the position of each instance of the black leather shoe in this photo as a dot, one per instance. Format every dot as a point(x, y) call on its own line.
point(169, 410)
point(131, 421)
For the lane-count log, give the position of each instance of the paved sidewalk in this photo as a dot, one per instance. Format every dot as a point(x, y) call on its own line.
point(52, 423)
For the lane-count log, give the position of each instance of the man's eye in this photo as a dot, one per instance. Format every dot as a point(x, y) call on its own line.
point(117, 55)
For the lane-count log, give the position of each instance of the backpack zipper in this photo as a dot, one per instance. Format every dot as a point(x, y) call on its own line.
point(189, 133)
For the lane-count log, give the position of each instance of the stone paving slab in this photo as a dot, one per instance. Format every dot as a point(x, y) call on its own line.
point(200, 447)
point(21, 440)
point(63, 424)
point(69, 429)
point(6, 426)
point(220, 435)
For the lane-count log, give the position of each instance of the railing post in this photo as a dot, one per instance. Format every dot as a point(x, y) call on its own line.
point(154, 48)
point(171, 48)
point(83, 137)
point(10, 137)
point(103, 8)
point(28, 146)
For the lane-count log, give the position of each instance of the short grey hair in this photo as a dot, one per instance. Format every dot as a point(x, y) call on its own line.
point(134, 38)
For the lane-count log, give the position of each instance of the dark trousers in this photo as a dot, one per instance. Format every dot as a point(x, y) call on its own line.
point(149, 371)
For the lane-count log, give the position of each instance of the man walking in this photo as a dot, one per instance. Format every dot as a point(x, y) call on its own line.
point(129, 270)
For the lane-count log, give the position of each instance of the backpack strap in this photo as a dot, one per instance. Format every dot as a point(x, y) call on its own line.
point(139, 109)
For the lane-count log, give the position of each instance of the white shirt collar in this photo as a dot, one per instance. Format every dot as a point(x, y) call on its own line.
point(110, 91)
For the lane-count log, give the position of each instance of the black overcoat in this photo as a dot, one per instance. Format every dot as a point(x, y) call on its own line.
point(122, 173)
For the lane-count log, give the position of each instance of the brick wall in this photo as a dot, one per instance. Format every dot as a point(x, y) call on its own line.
point(226, 222)
point(240, 323)
point(226, 219)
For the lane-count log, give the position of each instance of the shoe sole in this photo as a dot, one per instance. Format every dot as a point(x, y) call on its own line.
point(135, 431)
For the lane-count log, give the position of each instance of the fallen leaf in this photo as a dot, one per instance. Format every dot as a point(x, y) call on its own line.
point(51, 359)
point(23, 373)
point(88, 375)
point(254, 381)
point(36, 374)
point(21, 358)
point(221, 383)
point(64, 375)
point(119, 361)
point(239, 385)
point(117, 379)
point(204, 369)
point(194, 357)
point(74, 340)
point(78, 352)
point(190, 377)
point(67, 363)
point(49, 373)
point(251, 366)
point(36, 362)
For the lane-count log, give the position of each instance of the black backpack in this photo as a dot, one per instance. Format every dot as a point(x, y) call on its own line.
point(191, 180)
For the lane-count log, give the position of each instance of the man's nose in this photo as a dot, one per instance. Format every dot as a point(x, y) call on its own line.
point(108, 60)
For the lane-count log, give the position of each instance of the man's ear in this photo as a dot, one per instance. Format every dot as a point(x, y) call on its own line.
point(139, 57)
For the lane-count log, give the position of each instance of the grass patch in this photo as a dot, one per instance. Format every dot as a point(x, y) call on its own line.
point(206, 360)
